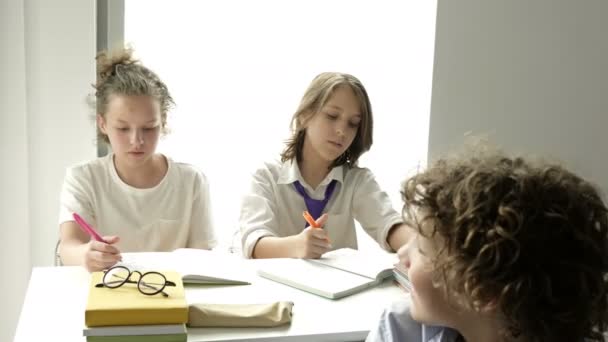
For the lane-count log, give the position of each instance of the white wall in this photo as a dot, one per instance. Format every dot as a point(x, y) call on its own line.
point(44, 127)
point(531, 74)
point(14, 218)
point(60, 55)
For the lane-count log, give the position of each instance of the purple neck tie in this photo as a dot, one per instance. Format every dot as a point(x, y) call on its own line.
point(315, 207)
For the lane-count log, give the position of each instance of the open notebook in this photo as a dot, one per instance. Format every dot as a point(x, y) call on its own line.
point(196, 266)
point(336, 274)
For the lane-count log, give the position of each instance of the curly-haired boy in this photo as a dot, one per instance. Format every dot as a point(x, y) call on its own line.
point(506, 250)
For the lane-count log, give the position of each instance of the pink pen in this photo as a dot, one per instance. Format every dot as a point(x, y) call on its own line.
point(87, 229)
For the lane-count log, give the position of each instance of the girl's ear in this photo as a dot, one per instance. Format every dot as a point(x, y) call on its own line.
point(101, 123)
point(304, 118)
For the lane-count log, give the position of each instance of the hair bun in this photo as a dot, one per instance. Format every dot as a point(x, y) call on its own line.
point(108, 62)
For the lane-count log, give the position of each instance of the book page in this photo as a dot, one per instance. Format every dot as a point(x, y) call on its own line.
point(147, 261)
point(200, 264)
point(312, 277)
point(368, 264)
point(195, 265)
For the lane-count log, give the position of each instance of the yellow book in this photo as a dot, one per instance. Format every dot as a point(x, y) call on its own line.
point(125, 305)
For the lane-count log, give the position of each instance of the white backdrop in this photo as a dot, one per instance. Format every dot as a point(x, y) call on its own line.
point(237, 70)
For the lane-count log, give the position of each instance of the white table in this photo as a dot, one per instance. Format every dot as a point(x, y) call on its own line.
point(56, 297)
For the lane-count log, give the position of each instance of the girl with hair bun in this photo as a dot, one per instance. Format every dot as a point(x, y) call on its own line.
point(137, 199)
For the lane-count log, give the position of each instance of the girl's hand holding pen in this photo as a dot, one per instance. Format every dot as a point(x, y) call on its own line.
point(101, 255)
point(312, 242)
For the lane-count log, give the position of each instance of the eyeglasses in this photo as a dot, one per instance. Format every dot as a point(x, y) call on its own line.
point(149, 283)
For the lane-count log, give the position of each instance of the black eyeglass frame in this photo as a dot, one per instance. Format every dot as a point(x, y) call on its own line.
point(112, 284)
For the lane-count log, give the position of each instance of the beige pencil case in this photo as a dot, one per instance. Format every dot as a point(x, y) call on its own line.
point(240, 315)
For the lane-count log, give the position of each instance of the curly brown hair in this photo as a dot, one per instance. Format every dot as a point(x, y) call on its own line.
point(528, 237)
point(118, 73)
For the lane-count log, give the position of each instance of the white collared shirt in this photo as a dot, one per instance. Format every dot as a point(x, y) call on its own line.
point(273, 207)
point(173, 214)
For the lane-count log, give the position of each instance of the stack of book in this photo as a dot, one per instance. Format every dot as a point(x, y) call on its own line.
point(401, 278)
point(137, 333)
point(125, 314)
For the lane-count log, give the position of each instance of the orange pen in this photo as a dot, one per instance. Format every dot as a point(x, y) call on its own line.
point(311, 221)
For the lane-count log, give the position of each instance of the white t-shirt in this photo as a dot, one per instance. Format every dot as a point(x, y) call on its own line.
point(175, 213)
point(273, 207)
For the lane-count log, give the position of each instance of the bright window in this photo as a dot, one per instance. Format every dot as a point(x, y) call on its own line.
point(237, 70)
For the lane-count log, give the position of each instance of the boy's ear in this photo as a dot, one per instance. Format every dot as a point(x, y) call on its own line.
point(488, 307)
point(101, 123)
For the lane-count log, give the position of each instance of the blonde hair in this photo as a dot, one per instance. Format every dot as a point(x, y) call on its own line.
point(118, 73)
point(316, 96)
